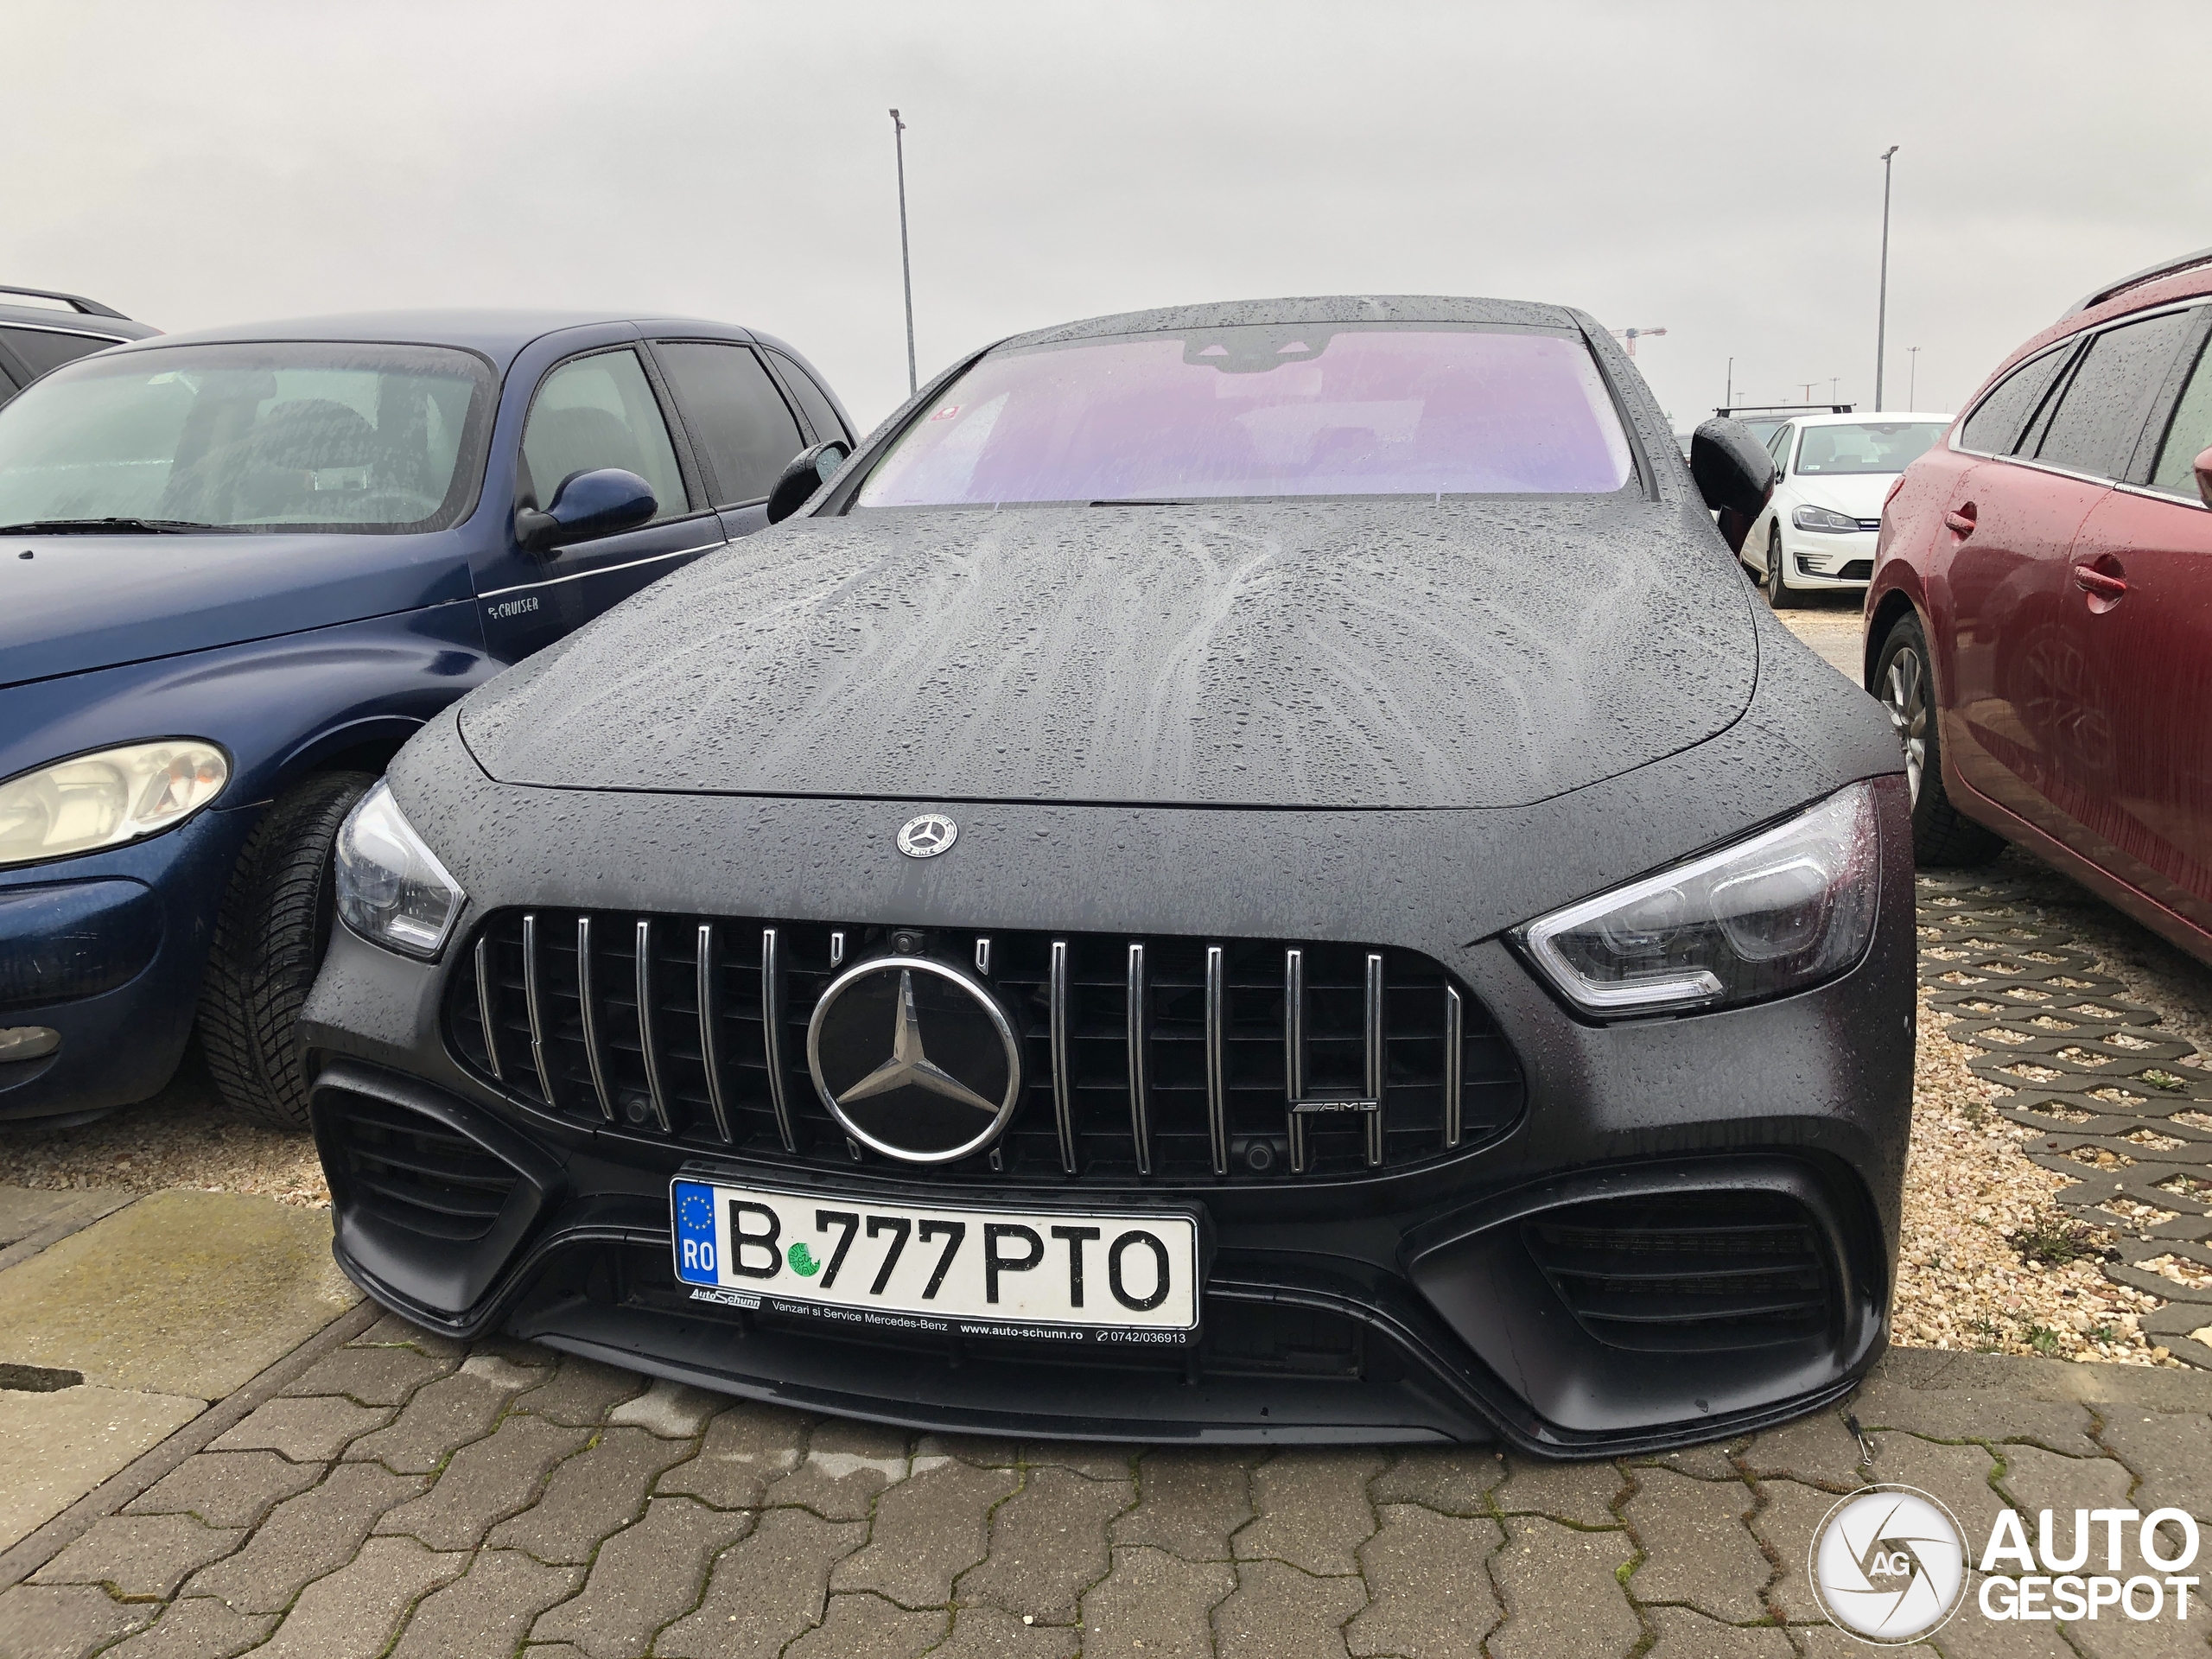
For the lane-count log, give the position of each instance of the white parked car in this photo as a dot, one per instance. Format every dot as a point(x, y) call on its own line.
point(1818, 532)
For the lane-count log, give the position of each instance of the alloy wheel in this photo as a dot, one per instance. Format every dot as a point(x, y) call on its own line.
point(1904, 695)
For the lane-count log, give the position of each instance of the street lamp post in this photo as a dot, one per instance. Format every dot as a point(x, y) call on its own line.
point(1912, 377)
point(1881, 309)
point(905, 265)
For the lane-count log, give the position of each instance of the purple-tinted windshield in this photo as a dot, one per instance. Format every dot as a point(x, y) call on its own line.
point(1260, 411)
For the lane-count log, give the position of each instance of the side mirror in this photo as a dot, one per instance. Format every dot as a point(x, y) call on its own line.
point(1732, 470)
point(809, 470)
point(586, 507)
point(2204, 476)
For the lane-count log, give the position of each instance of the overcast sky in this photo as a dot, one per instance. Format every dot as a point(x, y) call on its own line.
point(1709, 170)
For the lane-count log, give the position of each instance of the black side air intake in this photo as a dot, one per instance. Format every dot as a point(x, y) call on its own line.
point(433, 1197)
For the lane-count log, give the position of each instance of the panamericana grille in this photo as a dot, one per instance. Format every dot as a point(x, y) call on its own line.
point(1160, 1056)
point(418, 1174)
point(1714, 1272)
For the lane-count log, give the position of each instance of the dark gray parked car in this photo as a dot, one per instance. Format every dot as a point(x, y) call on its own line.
point(37, 337)
point(1246, 872)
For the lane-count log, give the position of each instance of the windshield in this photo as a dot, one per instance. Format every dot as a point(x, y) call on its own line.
point(1865, 447)
point(293, 435)
point(1277, 410)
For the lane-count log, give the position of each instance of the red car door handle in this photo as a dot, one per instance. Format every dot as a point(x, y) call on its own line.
point(2090, 580)
point(1961, 519)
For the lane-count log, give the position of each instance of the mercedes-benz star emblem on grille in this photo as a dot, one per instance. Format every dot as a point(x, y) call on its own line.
point(914, 1059)
point(927, 836)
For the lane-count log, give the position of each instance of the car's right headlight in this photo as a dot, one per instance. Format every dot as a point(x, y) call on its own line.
point(391, 889)
point(1821, 518)
point(1779, 913)
point(107, 798)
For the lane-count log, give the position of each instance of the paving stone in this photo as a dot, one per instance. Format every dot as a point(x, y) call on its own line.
point(1959, 1475)
point(1190, 1502)
point(441, 1418)
point(981, 1631)
point(1428, 1595)
point(764, 1591)
point(1097, 1462)
point(1048, 1545)
point(198, 1627)
point(1583, 1493)
point(845, 1465)
point(304, 1538)
point(1784, 1522)
point(984, 1451)
point(392, 1331)
point(2107, 1637)
point(487, 1481)
point(927, 1531)
point(508, 1364)
point(64, 1621)
point(869, 1627)
point(1153, 1603)
point(353, 1613)
point(745, 1448)
point(581, 1392)
point(645, 1575)
point(1716, 1461)
point(1456, 1479)
point(669, 1409)
point(1685, 1635)
point(1970, 1636)
point(1562, 1594)
point(590, 1495)
point(2172, 1452)
point(1279, 1613)
point(1975, 1415)
point(1817, 1450)
point(1313, 1510)
point(226, 1488)
point(489, 1610)
point(1697, 1549)
point(372, 1377)
point(2035, 1479)
point(141, 1557)
point(306, 1431)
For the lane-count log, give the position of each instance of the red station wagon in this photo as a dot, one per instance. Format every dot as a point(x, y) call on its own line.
point(2040, 621)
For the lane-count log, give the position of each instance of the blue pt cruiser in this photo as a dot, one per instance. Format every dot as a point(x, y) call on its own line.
point(239, 568)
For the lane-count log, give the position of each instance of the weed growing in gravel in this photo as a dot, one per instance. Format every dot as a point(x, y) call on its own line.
point(2165, 1080)
point(2053, 1241)
point(2042, 1339)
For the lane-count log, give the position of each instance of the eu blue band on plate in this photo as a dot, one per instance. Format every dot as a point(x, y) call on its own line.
point(695, 1233)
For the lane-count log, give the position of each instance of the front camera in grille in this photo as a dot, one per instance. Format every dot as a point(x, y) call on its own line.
point(1166, 1056)
point(1716, 1271)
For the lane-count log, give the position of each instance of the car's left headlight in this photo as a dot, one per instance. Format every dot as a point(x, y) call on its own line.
point(107, 798)
point(1779, 913)
point(1821, 518)
point(391, 889)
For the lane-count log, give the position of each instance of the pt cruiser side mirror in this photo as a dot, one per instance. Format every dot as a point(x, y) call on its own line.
point(586, 506)
point(809, 470)
point(1734, 474)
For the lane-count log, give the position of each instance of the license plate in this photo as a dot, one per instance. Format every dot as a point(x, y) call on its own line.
point(1062, 1275)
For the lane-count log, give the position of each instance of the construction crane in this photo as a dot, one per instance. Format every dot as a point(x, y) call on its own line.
point(1628, 337)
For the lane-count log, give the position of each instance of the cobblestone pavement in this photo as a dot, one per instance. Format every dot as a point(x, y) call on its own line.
point(411, 1496)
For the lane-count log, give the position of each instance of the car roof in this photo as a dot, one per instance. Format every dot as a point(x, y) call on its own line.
point(497, 334)
point(64, 320)
point(1337, 308)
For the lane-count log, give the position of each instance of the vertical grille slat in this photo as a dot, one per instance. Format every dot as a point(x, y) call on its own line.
point(1144, 1058)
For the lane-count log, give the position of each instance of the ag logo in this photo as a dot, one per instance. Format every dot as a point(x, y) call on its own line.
point(927, 836)
point(1889, 1565)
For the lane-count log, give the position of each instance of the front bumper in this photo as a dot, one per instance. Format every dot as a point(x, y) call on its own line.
point(1819, 559)
point(107, 950)
point(1366, 1307)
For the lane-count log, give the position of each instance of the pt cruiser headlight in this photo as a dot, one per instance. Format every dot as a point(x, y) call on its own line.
point(391, 889)
point(1821, 518)
point(1783, 910)
point(106, 798)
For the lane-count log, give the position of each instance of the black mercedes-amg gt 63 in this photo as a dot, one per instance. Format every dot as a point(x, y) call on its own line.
point(1253, 872)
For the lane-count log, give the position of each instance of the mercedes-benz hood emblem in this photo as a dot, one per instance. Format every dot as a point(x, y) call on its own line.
point(927, 836)
point(914, 1059)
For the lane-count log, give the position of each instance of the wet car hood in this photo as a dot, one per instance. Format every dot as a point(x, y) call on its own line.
point(1315, 653)
point(82, 602)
